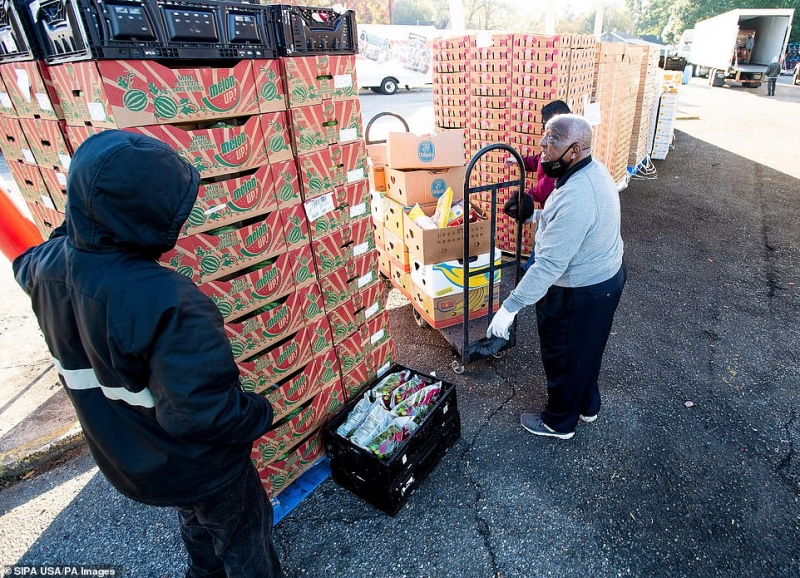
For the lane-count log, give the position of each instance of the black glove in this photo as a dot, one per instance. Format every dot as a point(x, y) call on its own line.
point(516, 210)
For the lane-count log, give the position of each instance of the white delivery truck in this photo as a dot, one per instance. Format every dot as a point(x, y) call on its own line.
point(391, 56)
point(739, 45)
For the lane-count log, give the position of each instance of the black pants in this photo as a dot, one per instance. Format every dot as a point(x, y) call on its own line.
point(574, 324)
point(771, 86)
point(230, 534)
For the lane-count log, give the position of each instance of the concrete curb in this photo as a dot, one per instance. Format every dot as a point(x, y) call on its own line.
point(38, 452)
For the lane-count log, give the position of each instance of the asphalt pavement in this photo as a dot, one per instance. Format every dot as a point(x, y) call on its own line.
point(690, 470)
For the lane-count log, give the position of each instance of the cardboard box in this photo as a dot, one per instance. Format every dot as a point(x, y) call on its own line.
point(6, 105)
point(215, 151)
point(274, 278)
point(325, 219)
point(334, 251)
point(377, 155)
point(320, 374)
point(277, 136)
point(31, 184)
point(223, 201)
point(14, 144)
point(312, 79)
point(353, 350)
point(424, 187)
point(397, 252)
point(346, 319)
point(56, 183)
point(76, 135)
point(407, 150)
point(317, 126)
point(376, 365)
point(447, 278)
point(431, 246)
point(127, 93)
point(30, 87)
point(48, 143)
point(311, 342)
point(447, 311)
point(346, 282)
point(46, 218)
point(401, 279)
point(257, 332)
point(276, 476)
point(310, 417)
point(286, 183)
point(204, 257)
point(270, 85)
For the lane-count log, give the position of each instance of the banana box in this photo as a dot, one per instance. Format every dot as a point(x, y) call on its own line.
point(446, 311)
point(447, 278)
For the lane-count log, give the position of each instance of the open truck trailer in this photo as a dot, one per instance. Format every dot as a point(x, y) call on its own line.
point(739, 45)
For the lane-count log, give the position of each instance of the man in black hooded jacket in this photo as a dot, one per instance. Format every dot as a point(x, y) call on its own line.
point(144, 357)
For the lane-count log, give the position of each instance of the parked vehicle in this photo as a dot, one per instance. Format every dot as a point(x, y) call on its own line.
point(393, 56)
point(796, 74)
point(739, 45)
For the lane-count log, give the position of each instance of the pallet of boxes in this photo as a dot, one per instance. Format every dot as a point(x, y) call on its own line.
point(423, 233)
point(280, 237)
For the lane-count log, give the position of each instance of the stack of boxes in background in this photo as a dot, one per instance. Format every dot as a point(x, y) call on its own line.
point(508, 78)
point(645, 101)
point(665, 113)
point(616, 88)
point(280, 237)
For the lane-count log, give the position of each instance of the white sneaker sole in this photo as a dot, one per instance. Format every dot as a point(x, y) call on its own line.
point(588, 418)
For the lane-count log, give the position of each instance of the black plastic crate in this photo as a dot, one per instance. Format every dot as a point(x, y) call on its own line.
point(388, 484)
point(303, 30)
point(71, 30)
point(15, 40)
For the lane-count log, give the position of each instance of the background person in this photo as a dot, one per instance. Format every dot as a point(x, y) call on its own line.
point(144, 357)
point(576, 280)
point(773, 72)
point(544, 184)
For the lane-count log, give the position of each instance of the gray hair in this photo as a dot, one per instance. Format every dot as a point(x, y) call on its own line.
point(571, 128)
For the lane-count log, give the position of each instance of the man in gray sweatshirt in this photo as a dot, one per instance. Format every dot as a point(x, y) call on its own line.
point(576, 281)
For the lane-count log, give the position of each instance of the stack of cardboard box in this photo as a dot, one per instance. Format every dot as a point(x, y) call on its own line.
point(280, 237)
point(451, 99)
point(645, 101)
point(33, 140)
point(665, 112)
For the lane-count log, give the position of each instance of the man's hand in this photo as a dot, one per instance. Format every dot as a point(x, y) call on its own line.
point(501, 323)
point(519, 211)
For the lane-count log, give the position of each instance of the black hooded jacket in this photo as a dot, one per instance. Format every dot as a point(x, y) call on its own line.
point(141, 351)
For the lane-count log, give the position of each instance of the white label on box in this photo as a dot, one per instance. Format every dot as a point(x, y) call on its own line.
point(370, 311)
point(358, 210)
point(365, 280)
point(28, 156)
point(5, 100)
point(23, 83)
point(96, 110)
point(316, 208)
point(361, 249)
point(355, 175)
point(44, 101)
point(347, 134)
point(48, 202)
point(483, 39)
point(384, 368)
point(377, 336)
point(216, 209)
point(65, 160)
point(592, 113)
point(62, 178)
point(342, 80)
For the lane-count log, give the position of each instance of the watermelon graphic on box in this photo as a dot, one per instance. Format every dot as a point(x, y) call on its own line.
point(312, 79)
point(277, 136)
point(206, 256)
point(261, 283)
point(314, 127)
point(215, 148)
point(286, 183)
point(345, 319)
point(319, 173)
point(337, 287)
point(295, 427)
point(270, 85)
point(352, 350)
point(221, 202)
point(357, 379)
point(278, 475)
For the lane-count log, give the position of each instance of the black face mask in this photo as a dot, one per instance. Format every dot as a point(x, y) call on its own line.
point(557, 168)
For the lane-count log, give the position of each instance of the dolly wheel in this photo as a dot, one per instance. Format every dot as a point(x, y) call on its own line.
point(418, 319)
point(499, 355)
point(457, 367)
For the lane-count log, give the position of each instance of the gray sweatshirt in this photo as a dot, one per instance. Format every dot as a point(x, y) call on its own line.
point(578, 240)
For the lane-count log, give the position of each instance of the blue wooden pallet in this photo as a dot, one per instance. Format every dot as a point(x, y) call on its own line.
point(297, 491)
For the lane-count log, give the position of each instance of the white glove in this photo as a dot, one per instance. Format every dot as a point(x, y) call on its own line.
point(501, 323)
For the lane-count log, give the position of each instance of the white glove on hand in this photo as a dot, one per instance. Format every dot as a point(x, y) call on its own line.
point(534, 218)
point(501, 323)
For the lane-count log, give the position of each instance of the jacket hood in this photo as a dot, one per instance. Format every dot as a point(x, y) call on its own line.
point(129, 192)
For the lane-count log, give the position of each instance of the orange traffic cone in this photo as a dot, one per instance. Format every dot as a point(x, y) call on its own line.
point(17, 233)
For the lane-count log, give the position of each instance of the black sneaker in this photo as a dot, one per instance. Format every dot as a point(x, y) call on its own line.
point(534, 424)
